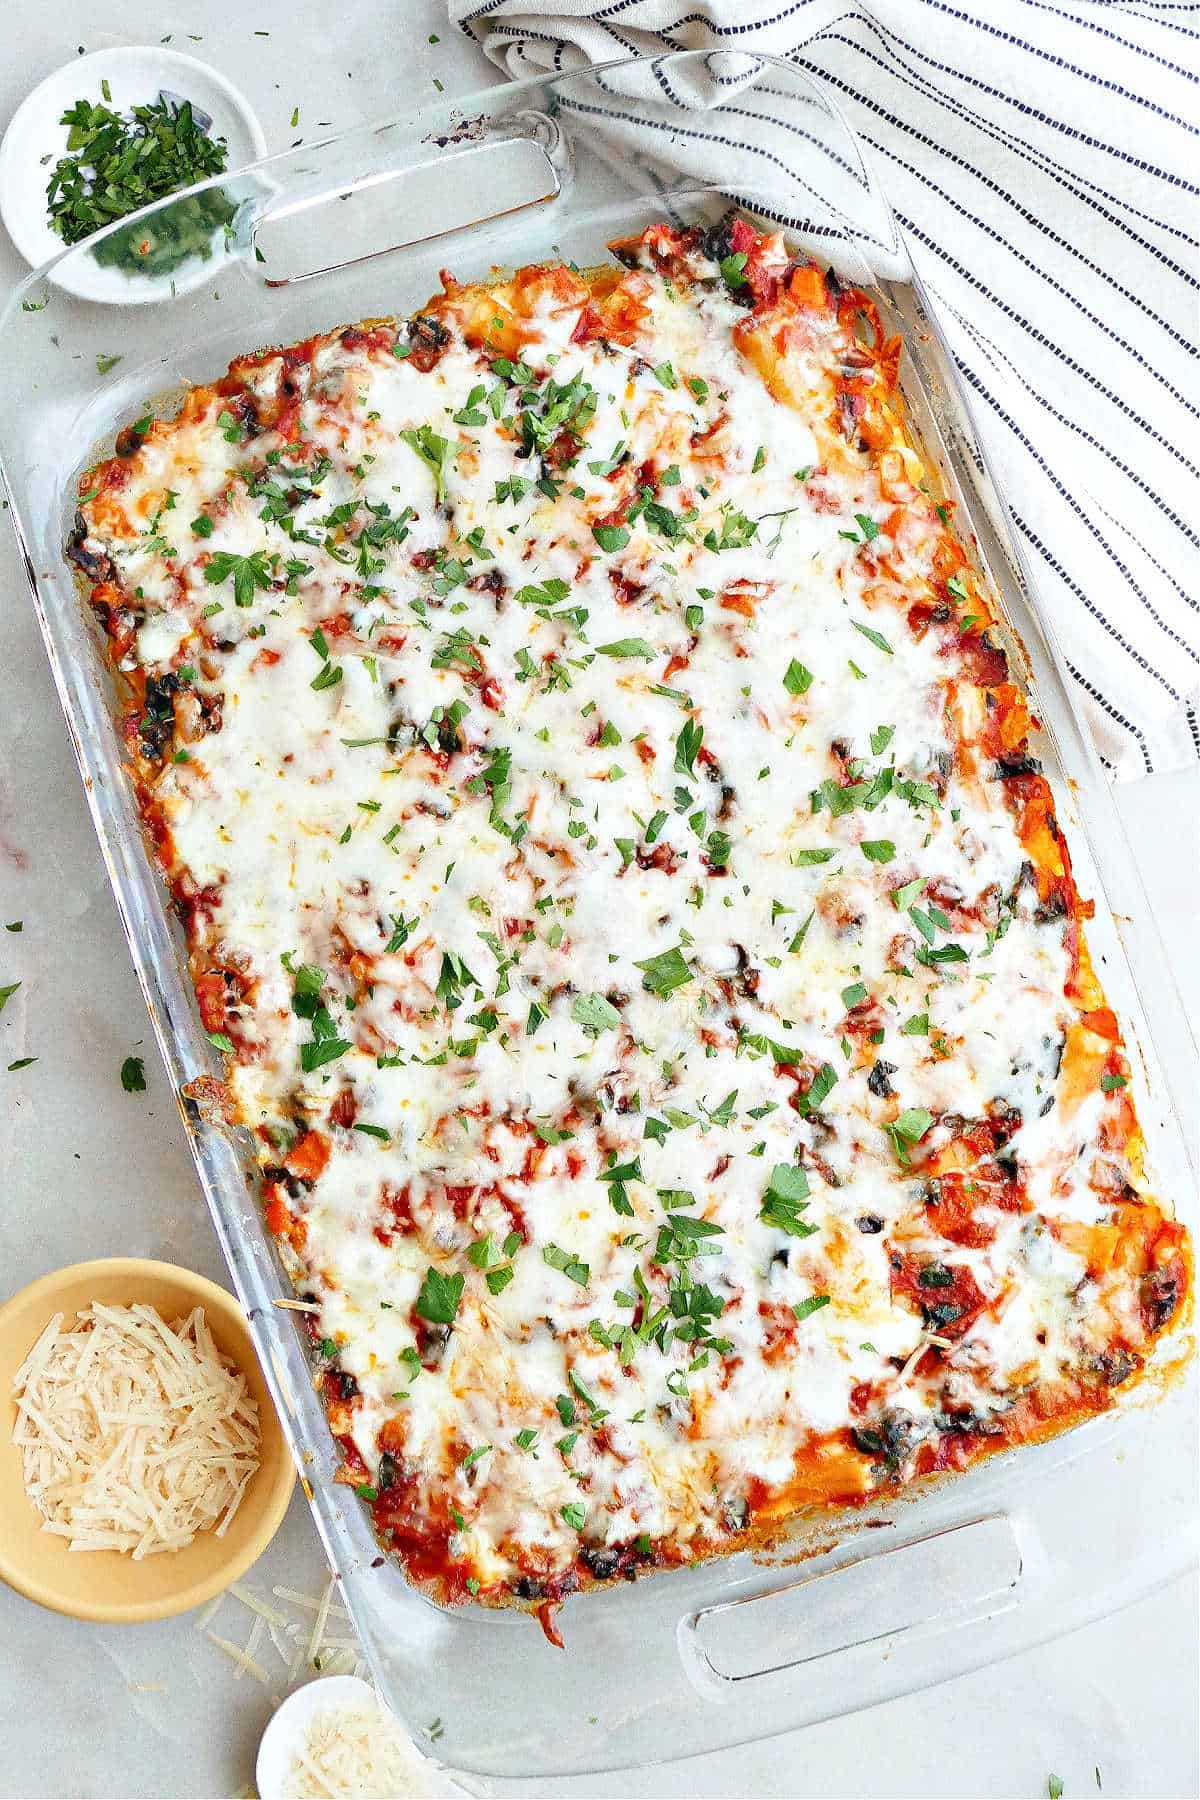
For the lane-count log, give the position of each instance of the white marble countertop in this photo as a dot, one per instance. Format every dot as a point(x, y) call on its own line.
point(1111, 1705)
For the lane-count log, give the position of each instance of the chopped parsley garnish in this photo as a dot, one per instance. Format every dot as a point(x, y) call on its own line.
point(903, 897)
point(737, 531)
point(437, 453)
point(571, 1266)
point(633, 646)
point(796, 678)
point(800, 936)
point(616, 1177)
point(686, 746)
point(662, 974)
point(804, 1309)
point(117, 162)
point(908, 1129)
point(439, 1298)
point(819, 1090)
point(594, 1013)
point(547, 593)
point(874, 637)
point(800, 858)
point(326, 1046)
point(785, 1199)
point(249, 573)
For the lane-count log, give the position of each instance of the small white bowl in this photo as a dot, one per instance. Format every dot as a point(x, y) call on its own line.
point(35, 140)
point(286, 1731)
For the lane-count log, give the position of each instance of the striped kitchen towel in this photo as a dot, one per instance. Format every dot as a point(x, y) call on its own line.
point(1043, 162)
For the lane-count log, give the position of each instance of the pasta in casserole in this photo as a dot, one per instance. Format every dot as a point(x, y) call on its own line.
point(639, 935)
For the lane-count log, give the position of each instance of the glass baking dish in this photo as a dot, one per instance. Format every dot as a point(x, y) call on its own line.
point(851, 1611)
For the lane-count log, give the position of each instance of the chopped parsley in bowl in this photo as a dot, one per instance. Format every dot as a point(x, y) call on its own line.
point(117, 163)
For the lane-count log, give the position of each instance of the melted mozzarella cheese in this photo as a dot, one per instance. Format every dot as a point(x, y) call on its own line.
point(488, 747)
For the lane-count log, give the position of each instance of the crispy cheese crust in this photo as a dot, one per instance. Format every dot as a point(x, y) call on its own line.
point(614, 867)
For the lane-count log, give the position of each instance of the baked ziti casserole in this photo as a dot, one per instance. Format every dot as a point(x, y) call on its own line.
point(638, 933)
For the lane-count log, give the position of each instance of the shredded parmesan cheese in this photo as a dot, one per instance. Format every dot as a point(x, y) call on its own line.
point(134, 1434)
point(361, 1753)
point(319, 1623)
point(244, 1662)
point(309, 1603)
point(253, 1604)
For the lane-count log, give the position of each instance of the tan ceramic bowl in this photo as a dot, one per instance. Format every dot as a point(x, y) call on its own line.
point(107, 1585)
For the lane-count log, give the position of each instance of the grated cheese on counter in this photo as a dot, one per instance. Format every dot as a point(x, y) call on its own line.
point(133, 1432)
point(297, 1644)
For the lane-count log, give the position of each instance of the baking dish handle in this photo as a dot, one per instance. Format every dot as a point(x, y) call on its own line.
point(955, 1577)
point(438, 189)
